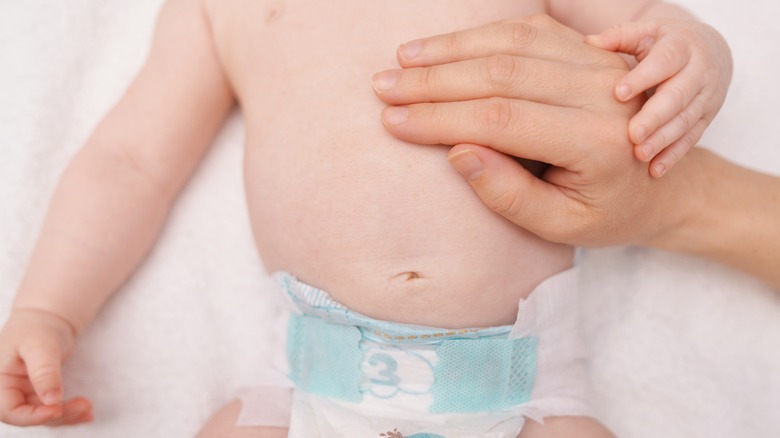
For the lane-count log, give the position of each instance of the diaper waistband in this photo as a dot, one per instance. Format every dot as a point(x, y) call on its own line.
point(341, 354)
point(454, 375)
point(317, 302)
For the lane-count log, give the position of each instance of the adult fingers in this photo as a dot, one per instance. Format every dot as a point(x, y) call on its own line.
point(532, 79)
point(524, 129)
point(509, 189)
point(537, 37)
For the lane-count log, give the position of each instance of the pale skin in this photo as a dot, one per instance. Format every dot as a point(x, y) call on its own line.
point(710, 207)
point(208, 55)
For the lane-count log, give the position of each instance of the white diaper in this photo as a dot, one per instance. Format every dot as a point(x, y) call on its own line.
point(356, 376)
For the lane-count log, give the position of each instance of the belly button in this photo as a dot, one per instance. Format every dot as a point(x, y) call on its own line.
point(408, 276)
point(408, 284)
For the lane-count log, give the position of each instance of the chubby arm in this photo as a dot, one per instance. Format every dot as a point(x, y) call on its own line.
point(594, 16)
point(114, 196)
point(109, 207)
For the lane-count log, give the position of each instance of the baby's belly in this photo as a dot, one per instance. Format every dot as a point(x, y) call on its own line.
point(387, 227)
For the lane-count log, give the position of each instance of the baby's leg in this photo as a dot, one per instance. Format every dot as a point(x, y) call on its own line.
point(223, 425)
point(565, 427)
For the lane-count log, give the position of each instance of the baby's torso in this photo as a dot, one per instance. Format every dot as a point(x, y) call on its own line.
point(388, 228)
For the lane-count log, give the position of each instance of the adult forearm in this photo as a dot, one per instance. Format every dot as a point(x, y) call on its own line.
point(735, 221)
point(104, 216)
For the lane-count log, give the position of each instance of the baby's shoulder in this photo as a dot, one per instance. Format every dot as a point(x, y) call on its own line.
point(258, 12)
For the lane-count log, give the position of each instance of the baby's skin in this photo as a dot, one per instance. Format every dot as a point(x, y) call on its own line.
point(387, 227)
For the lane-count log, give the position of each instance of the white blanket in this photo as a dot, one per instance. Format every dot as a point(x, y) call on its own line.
point(679, 347)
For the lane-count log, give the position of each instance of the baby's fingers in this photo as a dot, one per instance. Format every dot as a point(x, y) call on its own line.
point(631, 38)
point(20, 406)
point(74, 411)
point(663, 62)
point(674, 152)
point(29, 415)
point(44, 368)
point(663, 106)
point(661, 56)
point(678, 98)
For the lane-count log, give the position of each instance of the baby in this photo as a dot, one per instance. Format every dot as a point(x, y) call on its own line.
point(414, 309)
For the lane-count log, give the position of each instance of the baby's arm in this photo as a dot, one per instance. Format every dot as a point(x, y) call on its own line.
point(688, 61)
point(108, 209)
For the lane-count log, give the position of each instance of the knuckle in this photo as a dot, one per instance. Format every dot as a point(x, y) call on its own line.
point(521, 34)
point(427, 78)
point(672, 53)
point(507, 203)
point(495, 114)
point(671, 155)
point(453, 41)
point(687, 120)
point(501, 71)
point(44, 373)
point(659, 140)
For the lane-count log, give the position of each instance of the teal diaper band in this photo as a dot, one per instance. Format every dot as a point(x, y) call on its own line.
point(481, 375)
point(323, 358)
point(471, 375)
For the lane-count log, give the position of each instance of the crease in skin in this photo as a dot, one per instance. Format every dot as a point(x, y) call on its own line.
point(407, 276)
point(409, 285)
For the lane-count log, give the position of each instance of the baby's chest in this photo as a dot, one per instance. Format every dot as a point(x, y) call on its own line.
point(269, 46)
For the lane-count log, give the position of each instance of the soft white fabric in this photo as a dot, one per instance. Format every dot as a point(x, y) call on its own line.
point(679, 347)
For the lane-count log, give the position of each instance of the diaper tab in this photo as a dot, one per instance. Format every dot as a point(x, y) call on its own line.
point(484, 374)
point(324, 357)
point(468, 375)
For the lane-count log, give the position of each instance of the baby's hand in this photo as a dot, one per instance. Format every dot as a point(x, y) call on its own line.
point(690, 63)
point(33, 345)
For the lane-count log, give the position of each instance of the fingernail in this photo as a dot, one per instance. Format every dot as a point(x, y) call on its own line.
point(410, 50)
point(659, 170)
point(467, 163)
point(384, 81)
point(51, 397)
point(394, 115)
point(623, 91)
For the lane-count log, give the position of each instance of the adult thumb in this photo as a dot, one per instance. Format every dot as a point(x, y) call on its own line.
point(507, 188)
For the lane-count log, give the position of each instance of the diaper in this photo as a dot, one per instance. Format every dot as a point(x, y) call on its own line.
point(357, 376)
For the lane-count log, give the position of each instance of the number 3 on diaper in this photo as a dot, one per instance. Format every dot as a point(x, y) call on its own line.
point(389, 378)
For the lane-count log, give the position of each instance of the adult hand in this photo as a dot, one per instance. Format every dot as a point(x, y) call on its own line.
point(532, 88)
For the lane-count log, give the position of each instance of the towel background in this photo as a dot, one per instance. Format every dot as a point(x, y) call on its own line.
point(679, 347)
